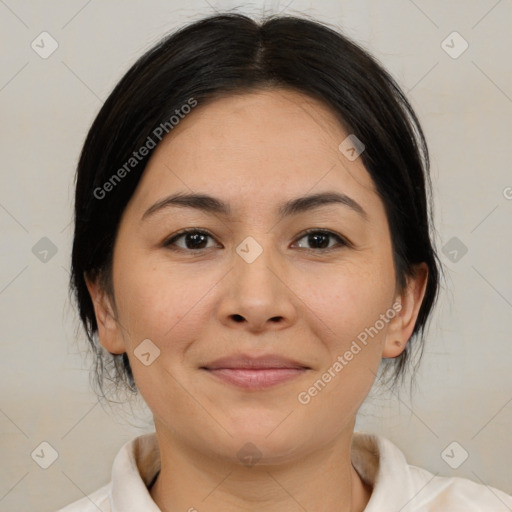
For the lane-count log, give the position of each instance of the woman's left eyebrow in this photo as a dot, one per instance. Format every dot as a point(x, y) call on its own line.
point(210, 204)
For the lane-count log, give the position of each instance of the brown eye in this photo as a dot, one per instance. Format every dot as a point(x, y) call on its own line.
point(319, 239)
point(192, 240)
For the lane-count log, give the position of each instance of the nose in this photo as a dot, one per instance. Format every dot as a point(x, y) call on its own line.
point(256, 296)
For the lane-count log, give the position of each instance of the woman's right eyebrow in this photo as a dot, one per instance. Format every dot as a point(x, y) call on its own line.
point(210, 204)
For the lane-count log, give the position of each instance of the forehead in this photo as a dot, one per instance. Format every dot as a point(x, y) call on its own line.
point(262, 146)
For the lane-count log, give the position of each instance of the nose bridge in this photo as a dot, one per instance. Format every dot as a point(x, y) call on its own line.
point(256, 295)
point(252, 263)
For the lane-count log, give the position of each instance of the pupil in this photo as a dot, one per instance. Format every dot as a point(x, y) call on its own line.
point(316, 237)
point(195, 240)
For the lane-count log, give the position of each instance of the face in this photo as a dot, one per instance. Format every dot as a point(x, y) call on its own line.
point(300, 296)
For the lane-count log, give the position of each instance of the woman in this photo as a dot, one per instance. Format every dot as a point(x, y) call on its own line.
point(252, 244)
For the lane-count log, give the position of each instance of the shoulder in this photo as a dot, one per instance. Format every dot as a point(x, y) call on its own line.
point(456, 494)
point(134, 467)
point(401, 486)
point(97, 501)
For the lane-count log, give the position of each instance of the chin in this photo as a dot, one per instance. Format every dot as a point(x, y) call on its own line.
point(268, 436)
point(264, 451)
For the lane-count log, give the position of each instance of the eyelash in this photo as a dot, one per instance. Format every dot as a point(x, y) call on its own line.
point(342, 242)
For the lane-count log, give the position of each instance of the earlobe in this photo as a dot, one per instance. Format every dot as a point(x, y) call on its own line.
point(393, 349)
point(109, 333)
point(410, 298)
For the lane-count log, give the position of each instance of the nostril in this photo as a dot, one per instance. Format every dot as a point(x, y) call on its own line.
point(238, 318)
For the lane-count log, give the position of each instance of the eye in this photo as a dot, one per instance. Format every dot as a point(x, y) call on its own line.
point(319, 239)
point(197, 239)
point(193, 239)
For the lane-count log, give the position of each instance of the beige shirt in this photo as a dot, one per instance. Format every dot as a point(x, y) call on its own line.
point(397, 486)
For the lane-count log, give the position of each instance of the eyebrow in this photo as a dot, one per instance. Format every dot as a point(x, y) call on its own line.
point(209, 204)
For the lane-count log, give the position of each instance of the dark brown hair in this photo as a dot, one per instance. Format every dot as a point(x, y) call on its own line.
point(229, 54)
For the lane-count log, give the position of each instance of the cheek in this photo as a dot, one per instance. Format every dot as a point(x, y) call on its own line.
point(169, 309)
point(160, 303)
point(349, 298)
point(344, 313)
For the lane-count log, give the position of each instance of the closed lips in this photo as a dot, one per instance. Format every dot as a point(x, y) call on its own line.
point(254, 363)
point(255, 373)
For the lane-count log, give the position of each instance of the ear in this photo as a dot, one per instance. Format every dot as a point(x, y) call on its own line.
point(109, 332)
point(407, 305)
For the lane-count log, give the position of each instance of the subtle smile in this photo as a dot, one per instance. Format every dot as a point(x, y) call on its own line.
point(255, 373)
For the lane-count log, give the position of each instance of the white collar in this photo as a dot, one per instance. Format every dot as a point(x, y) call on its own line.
point(379, 463)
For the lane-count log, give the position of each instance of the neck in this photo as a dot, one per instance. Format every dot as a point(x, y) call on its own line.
point(324, 481)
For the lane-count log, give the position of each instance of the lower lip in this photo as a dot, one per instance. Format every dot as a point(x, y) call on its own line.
point(257, 379)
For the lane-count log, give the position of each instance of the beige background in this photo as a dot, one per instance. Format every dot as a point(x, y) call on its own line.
point(464, 387)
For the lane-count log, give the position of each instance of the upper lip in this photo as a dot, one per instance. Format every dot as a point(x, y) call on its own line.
point(253, 362)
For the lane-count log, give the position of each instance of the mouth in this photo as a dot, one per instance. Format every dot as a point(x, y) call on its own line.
point(255, 373)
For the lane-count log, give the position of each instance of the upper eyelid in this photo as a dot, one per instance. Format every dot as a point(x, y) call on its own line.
point(326, 231)
point(343, 239)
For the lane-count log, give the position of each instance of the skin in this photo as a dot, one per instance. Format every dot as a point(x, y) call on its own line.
point(255, 151)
